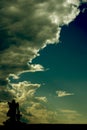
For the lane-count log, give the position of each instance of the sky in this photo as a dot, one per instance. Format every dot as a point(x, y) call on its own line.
point(43, 60)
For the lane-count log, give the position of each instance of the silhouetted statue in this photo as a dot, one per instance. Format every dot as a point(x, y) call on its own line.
point(14, 116)
point(13, 112)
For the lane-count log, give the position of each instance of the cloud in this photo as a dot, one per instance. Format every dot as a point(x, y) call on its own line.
point(32, 107)
point(71, 116)
point(24, 93)
point(33, 68)
point(26, 27)
point(84, 0)
point(23, 90)
point(3, 111)
point(40, 114)
point(63, 93)
point(63, 116)
point(44, 99)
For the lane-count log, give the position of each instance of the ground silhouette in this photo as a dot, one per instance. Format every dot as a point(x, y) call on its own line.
point(14, 121)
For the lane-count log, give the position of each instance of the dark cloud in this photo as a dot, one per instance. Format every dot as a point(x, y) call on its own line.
point(5, 96)
point(27, 26)
point(3, 82)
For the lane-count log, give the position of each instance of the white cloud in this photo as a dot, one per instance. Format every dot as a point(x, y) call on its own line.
point(28, 26)
point(42, 99)
point(13, 76)
point(35, 67)
point(63, 93)
point(23, 90)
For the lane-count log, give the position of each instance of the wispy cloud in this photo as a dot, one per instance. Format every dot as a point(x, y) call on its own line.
point(42, 99)
point(70, 115)
point(63, 93)
point(36, 67)
point(84, 0)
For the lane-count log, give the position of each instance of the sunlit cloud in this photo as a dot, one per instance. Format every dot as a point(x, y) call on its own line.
point(36, 67)
point(3, 111)
point(44, 99)
point(63, 93)
point(23, 90)
point(24, 93)
point(29, 26)
point(40, 114)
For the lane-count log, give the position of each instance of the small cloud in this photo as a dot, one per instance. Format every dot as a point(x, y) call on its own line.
point(83, 10)
point(63, 93)
point(35, 67)
point(42, 99)
point(68, 111)
point(13, 76)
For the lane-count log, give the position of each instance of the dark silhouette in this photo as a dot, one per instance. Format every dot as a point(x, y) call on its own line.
point(14, 121)
point(13, 114)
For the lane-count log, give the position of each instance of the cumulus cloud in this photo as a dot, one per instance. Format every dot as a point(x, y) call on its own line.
point(23, 90)
point(33, 107)
point(24, 93)
point(40, 114)
point(28, 26)
point(63, 93)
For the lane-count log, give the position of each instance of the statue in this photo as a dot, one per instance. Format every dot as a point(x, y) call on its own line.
point(13, 112)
